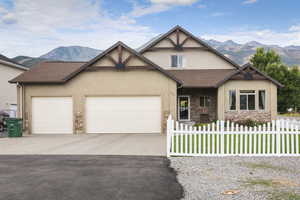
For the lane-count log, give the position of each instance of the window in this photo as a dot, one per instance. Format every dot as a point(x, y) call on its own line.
point(184, 108)
point(232, 100)
point(262, 99)
point(247, 100)
point(204, 101)
point(176, 61)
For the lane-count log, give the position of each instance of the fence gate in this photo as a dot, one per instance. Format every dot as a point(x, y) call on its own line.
point(276, 138)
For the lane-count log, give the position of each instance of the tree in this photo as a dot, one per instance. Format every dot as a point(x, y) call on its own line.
point(262, 59)
point(270, 63)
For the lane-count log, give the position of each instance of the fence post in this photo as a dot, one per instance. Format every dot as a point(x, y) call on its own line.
point(221, 124)
point(278, 142)
point(169, 132)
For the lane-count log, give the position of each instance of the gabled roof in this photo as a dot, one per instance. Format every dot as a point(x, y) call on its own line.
point(9, 62)
point(252, 74)
point(201, 42)
point(135, 53)
point(64, 71)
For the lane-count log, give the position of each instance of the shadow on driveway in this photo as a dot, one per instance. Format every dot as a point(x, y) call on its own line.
point(75, 177)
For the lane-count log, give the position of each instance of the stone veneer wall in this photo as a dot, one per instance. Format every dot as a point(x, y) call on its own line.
point(244, 115)
point(195, 94)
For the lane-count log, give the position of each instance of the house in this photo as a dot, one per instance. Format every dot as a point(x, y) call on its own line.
point(8, 96)
point(125, 91)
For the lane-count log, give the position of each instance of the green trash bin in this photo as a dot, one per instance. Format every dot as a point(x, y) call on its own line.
point(14, 127)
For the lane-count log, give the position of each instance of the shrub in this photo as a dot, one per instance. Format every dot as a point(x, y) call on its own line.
point(246, 122)
point(249, 122)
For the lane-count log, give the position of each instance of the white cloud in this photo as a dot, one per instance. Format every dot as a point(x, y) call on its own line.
point(266, 36)
point(2, 10)
point(201, 6)
point(250, 1)
point(218, 14)
point(34, 27)
point(157, 6)
point(139, 10)
point(295, 28)
point(174, 2)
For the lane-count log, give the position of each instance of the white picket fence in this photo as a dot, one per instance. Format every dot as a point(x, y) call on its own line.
point(277, 138)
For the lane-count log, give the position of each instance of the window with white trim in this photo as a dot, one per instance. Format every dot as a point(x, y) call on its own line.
point(262, 99)
point(232, 100)
point(204, 101)
point(176, 61)
point(247, 99)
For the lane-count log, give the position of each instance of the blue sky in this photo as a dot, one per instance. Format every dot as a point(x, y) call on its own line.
point(34, 27)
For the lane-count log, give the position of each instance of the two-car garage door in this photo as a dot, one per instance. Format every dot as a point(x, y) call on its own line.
point(54, 115)
point(123, 114)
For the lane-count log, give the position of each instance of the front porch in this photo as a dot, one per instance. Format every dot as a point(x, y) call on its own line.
point(197, 105)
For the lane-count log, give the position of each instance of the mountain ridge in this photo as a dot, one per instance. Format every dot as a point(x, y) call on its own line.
point(240, 53)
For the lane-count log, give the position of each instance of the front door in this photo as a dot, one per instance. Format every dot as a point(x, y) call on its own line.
point(184, 108)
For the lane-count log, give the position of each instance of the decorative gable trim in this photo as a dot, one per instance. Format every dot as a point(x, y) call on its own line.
point(248, 72)
point(179, 46)
point(119, 63)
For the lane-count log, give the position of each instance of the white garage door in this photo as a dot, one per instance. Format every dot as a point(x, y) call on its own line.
point(52, 115)
point(123, 114)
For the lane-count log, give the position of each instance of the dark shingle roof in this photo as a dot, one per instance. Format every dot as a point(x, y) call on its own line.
point(203, 78)
point(61, 72)
point(48, 72)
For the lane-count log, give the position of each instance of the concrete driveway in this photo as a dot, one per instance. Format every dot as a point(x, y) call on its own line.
point(86, 144)
point(49, 177)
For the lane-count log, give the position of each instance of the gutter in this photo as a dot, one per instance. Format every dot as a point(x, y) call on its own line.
point(14, 65)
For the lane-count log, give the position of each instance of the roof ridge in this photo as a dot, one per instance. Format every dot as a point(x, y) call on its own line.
point(62, 61)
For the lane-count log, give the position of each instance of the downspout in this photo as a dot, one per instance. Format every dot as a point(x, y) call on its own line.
point(20, 101)
point(23, 105)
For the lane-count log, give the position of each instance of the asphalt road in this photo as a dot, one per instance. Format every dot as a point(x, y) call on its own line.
point(62, 177)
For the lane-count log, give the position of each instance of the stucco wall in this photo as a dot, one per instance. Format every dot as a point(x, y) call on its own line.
point(193, 58)
point(108, 83)
point(270, 111)
point(8, 94)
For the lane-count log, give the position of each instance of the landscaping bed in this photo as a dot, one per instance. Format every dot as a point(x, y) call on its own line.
point(270, 178)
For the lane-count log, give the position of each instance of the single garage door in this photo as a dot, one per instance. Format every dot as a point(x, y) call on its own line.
point(123, 114)
point(52, 115)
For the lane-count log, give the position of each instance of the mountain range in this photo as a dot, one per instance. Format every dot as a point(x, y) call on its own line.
point(69, 53)
point(240, 53)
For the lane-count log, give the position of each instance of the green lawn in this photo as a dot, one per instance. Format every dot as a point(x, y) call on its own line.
point(236, 146)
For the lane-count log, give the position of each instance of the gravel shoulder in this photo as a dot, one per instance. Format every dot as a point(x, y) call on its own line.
point(270, 178)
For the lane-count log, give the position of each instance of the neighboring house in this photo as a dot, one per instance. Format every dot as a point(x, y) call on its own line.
point(8, 95)
point(124, 91)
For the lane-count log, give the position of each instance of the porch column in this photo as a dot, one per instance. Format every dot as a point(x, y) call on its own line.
point(221, 103)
